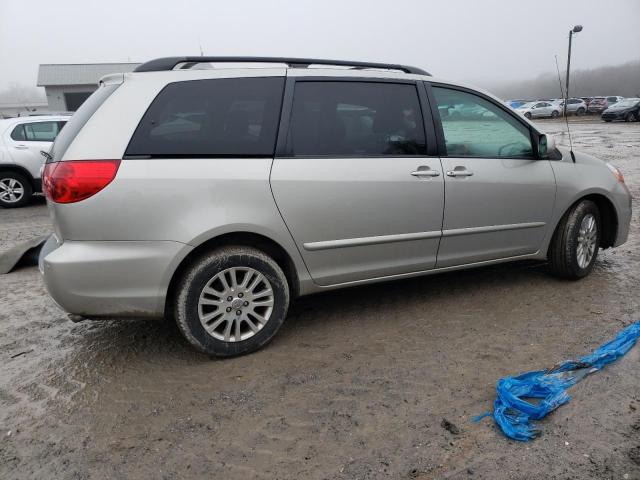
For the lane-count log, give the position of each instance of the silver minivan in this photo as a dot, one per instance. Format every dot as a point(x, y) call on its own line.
point(214, 190)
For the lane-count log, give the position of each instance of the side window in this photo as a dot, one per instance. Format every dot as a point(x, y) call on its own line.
point(221, 117)
point(485, 131)
point(18, 133)
point(355, 119)
point(41, 131)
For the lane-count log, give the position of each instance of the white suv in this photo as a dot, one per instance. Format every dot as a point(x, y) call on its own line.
point(21, 141)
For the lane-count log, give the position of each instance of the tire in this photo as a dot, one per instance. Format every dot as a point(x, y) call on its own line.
point(607, 119)
point(580, 112)
point(528, 115)
point(564, 258)
point(208, 271)
point(15, 190)
point(630, 117)
point(555, 114)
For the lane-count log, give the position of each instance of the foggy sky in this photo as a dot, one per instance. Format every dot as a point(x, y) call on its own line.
point(484, 41)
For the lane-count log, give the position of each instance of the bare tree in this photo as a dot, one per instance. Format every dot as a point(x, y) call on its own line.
point(621, 80)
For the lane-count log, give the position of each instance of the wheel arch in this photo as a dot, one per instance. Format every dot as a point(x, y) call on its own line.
point(240, 238)
point(608, 217)
point(10, 167)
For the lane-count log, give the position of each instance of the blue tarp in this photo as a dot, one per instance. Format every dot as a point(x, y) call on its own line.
point(514, 414)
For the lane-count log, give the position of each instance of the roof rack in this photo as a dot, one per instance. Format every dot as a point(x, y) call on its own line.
point(169, 63)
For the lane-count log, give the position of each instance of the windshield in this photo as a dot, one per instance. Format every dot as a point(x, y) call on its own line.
point(628, 102)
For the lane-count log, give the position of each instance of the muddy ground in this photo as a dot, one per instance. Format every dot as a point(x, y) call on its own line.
point(356, 384)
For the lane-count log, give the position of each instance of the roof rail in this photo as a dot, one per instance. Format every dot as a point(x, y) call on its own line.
point(169, 63)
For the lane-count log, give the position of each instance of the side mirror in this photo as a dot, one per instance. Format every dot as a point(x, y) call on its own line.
point(546, 145)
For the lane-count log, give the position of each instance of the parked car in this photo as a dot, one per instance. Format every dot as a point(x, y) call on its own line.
point(516, 103)
point(21, 141)
point(288, 181)
point(539, 109)
point(627, 110)
point(575, 106)
point(600, 104)
point(587, 100)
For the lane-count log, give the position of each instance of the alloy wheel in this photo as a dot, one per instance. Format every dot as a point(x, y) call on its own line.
point(587, 238)
point(235, 304)
point(11, 190)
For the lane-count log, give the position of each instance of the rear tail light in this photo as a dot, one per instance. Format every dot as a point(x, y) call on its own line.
point(75, 180)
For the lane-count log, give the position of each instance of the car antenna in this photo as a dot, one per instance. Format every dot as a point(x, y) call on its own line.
point(575, 29)
point(566, 119)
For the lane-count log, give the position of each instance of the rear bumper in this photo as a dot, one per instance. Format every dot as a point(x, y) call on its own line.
point(110, 279)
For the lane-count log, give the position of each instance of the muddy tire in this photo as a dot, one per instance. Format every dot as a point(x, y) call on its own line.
point(15, 190)
point(231, 301)
point(575, 243)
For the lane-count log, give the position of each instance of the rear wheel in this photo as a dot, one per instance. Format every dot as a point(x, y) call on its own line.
point(575, 243)
point(580, 112)
point(15, 190)
point(555, 114)
point(231, 301)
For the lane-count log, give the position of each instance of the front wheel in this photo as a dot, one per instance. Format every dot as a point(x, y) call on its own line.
point(15, 190)
point(528, 115)
point(575, 243)
point(231, 301)
point(631, 117)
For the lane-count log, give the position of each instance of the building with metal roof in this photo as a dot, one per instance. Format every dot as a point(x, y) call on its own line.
point(68, 85)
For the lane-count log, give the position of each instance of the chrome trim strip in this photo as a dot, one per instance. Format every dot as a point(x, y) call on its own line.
point(491, 228)
point(356, 242)
point(406, 237)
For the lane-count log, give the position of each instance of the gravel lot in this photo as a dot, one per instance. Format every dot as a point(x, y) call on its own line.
point(356, 384)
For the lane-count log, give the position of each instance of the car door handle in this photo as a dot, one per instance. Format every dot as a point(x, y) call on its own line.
point(459, 173)
point(426, 173)
point(21, 147)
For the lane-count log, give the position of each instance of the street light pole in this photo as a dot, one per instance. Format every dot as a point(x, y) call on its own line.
point(576, 29)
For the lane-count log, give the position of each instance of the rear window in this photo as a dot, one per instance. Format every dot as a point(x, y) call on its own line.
point(78, 120)
point(356, 119)
point(235, 117)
